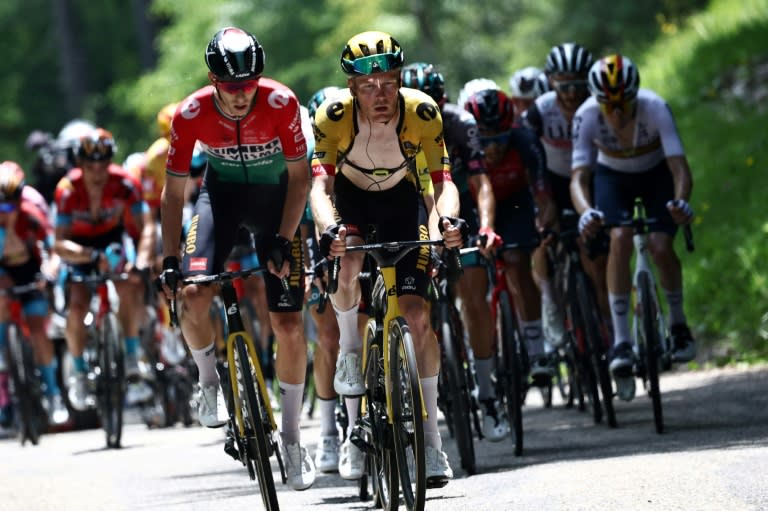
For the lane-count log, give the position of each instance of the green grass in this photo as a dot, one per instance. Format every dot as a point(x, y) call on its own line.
point(709, 71)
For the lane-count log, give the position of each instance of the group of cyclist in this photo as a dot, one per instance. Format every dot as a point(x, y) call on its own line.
point(386, 156)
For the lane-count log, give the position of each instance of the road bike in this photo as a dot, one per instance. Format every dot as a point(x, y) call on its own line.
point(252, 433)
point(390, 430)
point(24, 382)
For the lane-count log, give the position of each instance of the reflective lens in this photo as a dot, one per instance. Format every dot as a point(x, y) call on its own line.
point(246, 86)
point(373, 63)
point(499, 139)
point(623, 106)
point(7, 207)
point(96, 149)
point(570, 85)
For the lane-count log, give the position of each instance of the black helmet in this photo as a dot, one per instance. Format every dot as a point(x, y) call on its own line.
point(234, 54)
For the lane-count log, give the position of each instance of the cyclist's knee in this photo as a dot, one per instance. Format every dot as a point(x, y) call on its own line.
point(287, 326)
point(197, 300)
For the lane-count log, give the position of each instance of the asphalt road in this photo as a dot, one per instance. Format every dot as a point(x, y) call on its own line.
point(714, 455)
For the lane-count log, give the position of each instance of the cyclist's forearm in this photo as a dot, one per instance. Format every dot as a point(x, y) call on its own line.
point(447, 198)
point(72, 252)
point(681, 175)
point(146, 242)
point(580, 195)
point(320, 201)
point(172, 207)
point(486, 202)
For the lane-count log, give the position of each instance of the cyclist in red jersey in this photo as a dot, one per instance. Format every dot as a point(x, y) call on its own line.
point(257, 175)
point(24, 229)
point(98, 202)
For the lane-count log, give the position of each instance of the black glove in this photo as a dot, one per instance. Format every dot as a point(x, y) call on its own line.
point(329, 234)
point(171, 273)
point(460, 223)
point(279, 250)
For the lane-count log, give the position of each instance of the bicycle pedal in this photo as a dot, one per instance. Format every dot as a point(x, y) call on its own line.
point(231, 449)
point(358, 438)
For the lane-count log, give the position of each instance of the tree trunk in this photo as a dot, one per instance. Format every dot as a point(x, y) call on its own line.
point(74, 80)
point(145, 33)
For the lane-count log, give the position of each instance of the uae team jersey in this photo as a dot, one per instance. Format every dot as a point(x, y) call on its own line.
point(251, 150)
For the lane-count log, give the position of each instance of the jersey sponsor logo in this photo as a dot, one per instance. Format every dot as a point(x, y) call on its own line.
point(409, 283)
point(190, 109)
point(318, 155)
point(249, 153)
point(232, 309)
point(335, 111)
point(198, 264)
point(191, 244)
point(278, 99)
point(426, 111)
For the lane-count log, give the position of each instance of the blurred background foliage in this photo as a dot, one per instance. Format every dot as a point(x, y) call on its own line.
point(117, 62)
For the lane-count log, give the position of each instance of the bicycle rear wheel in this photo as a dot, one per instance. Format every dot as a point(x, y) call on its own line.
point(456, 398)
point(652, 349)
point(407, 420)
point(595, 343)
point(509, 367)
point(25, 388)
point(256, 442)
point(111, 381)
point(382, 460)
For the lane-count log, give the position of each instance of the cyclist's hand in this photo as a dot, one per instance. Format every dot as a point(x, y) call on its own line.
point(546, 214)
point(170, 276)
point(681, 211)
point(454, 230)
point(331, 240)
point(279, 259)
point(590, 222)
point(488, 241)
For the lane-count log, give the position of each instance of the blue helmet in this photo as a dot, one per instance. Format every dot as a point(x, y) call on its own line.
point(426, 78)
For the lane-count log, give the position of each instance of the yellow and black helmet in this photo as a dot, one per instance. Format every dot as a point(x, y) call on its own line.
point(11, 181)
point(371, 52)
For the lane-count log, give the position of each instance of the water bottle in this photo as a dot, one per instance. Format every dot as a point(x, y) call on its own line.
point(114, 255)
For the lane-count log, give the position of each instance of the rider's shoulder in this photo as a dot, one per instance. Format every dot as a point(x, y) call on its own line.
point(588, 109)
point(194, 106)
point(335, 108)
point(420, 105)
point(275, 95)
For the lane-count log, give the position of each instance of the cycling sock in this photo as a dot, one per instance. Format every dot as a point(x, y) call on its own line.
point(620, 315)
point(431, 431)
point(327, 416)
point(353, 404)
point(534, 341)
point(675, 303)
point(205, 360)
point(290, 405)
point(131, 345)
point(547, 294)
point(48, 375)
point(349, 335)
point(79, 364)
point(483, 369)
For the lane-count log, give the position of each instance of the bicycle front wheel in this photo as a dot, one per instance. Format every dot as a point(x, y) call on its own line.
point(456, 397)
point(407, 421)
point(652, 349)
point(509, 367)
point(256, 442)
point(25, 388)
point(111, 380)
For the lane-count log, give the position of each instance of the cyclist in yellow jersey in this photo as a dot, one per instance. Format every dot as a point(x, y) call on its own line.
point(366, 142)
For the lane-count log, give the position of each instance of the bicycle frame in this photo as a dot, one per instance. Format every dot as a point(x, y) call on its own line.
point(643, 265)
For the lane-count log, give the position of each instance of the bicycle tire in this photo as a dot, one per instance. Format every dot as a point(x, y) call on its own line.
point(596, 344)
point(456, 399)
point(25, 388)
point(112, 381)
point(652, 350)
point(407, 420)
point(256, 444)
point(509, 367)
point(383, 460)
point(585, 377)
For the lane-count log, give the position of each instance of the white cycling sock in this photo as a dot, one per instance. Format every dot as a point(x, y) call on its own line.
point(547, 293)
point(353, 404)
point(483, 370)
point(327, 416)
point(534, 341)
point(429, 393)
point(205, 359)
point(290, 401)
point(350, 340)
point(675, 303)
point(620, 315)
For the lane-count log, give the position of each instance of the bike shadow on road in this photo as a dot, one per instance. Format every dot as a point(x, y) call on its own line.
point(724, 409)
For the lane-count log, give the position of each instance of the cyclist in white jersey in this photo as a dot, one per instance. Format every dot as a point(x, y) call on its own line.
point(550, 118)
point(525, 85)
point(631, 135)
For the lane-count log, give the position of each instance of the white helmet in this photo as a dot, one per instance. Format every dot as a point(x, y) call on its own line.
point(474, 86)
point(529, 82)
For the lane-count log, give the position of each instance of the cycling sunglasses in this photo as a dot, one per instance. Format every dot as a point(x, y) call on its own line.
point(8, 207)
point(500, 139)
point(626, 106)
point(96, 149)
point(374, 63)
point(246, 86)
point(570, 85)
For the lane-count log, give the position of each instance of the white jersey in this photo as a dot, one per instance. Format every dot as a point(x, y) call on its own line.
point(654, 138)
point(554, 131)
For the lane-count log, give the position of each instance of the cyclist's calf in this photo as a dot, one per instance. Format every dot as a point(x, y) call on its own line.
point(196, 322)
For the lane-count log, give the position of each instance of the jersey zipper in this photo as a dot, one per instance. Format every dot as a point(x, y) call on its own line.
point(240, 150)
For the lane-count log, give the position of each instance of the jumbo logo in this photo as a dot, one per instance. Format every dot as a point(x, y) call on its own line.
point(426, 111)
point(278, 99)
point(191, 244)
point(190, 109)
point(335, 111)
